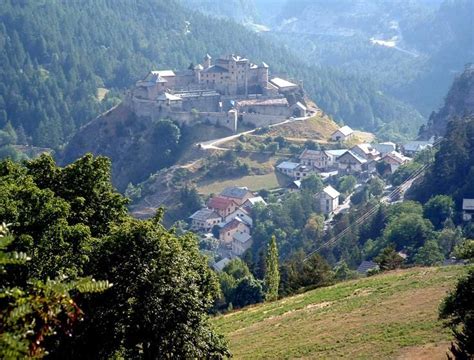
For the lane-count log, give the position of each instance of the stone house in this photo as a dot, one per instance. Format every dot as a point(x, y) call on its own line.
point(328, 199)
point(288, 168)
point(228, 230)
point(240, 243)
point(467, 209)
point(366, 151)
point(250, 203)
point(394, 159)
point(314, 158)
point(342, 134)
point(205, 220)
point(242, 214)
point(385, 147)
point(237, 193)
point(351, 162)
point(222, 206)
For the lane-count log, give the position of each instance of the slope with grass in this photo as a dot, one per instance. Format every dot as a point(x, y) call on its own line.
point(393, 315)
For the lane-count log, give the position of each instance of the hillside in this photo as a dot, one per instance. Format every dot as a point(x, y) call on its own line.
point(459, 102)
point(393, 315)
point(54, 66)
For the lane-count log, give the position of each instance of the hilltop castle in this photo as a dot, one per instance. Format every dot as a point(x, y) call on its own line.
point(222, 92)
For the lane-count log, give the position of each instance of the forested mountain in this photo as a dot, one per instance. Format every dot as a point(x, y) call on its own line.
point(410, 49)
point(458, 103)
point(53, 64)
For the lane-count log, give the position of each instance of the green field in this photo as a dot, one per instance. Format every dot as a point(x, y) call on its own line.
point(389, 316)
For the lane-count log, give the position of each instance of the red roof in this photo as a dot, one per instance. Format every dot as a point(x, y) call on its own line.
point(220, 203)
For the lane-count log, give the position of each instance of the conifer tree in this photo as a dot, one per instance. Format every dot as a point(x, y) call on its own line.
point(272, 273)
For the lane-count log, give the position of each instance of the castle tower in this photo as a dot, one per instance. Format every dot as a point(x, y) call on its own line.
point(197, 73)
point(207, 61)
point(263, 75)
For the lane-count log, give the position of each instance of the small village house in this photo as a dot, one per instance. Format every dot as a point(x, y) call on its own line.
point(351, 162)
point(231, 228)
point(468, 209)
point(395, 160)
point(222, 206)
point(314, 158)
point(205, 220)
point(240, 243)
point(241, 213)
point(385, 147)
point(333, 155)
point(287, 168)
point(413, 147)
point(220, 265)
point(342, 134)
point(328, 199)
point(250, 203)
point(366, 151)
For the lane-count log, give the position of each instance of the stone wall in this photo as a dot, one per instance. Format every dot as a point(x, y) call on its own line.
point(259, 120)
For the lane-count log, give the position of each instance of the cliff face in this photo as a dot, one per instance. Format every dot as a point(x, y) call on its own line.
point(138, 146)
point(458, 103)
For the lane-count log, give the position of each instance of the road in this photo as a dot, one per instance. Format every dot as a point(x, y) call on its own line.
point(213, 144)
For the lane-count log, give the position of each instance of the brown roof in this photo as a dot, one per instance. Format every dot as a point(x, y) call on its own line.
point(219, 202)
point(233, 224)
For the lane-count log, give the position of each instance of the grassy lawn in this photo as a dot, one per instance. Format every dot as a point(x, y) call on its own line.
point(253, 182)
point(388, 316)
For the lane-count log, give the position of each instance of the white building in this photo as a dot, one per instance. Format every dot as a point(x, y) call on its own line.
point(342, 134)
point(287, 167)
point(328, 199)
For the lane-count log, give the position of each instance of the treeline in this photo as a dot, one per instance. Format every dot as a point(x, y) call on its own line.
point(55, 56)
point(81, 279)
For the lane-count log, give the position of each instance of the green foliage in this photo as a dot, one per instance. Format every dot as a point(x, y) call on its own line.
point(389, 259)
point(346, 184)
point(465, 250)
point(438, 209)
point(429, 254)
point(458, 312)
point(312, 183)
point(272, 272)
point(342, 272)
point(376, 186)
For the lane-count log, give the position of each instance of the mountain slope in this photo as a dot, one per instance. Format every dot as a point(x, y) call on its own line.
point(56, 55)
point(393, 315)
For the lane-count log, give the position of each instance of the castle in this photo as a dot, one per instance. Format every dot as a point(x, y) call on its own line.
point(223, 92)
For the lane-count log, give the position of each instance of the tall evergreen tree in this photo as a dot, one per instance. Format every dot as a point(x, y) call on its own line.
point(272, 274)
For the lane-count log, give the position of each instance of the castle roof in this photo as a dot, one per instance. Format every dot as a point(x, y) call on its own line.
point(282, 83)
point(264, 65)
point(263, 102)
point(215, 69)
point(168, 96)
point(163, 73)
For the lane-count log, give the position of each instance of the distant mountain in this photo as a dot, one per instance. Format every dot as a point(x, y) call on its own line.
point(458, 103)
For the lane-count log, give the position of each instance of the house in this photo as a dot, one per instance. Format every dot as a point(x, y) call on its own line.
point(351, 162)
point(231, 228)
point(220, 265)
point(287, 167)
point(314, 158)
point(467, 209)
point(294, 185)
point(365, 266)
point(205, 220)
point(394, 159)
point(250, 203)
point(240, 243)
point(302, 171)
point(333, 155)
point(365, 151)
point(222, 206)
point(241, 213)
point(328, 199)
point(385, 147)
point(413, 147)
point(298, 109)
point(342, 134)
point(237, 193)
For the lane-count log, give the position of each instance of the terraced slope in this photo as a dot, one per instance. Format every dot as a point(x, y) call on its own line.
point(389, 316)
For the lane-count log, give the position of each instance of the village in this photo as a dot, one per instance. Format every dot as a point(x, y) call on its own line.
point(226, 220)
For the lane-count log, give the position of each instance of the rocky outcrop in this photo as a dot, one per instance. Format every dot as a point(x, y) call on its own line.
point(458, 103)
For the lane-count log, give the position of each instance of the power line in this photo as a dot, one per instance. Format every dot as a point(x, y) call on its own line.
point(373, 209)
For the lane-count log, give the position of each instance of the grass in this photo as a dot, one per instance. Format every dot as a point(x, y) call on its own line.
point(392, 315)
point(315, 128)
point(253, 182)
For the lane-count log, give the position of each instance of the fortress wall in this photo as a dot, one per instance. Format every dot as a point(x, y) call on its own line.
point(202, 103)
point(224, 119)
point(259, 120)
